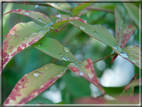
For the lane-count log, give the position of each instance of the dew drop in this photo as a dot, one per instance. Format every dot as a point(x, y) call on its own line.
point(53, 4)
point(29, 83)
point(51, 64)
point(82, 27)
point(58, 15)
point(95, 32)
point(81, 74)
point(27, 13)
point(85, 21)
point(133, 61)
point(39, 19)
point(131, 46)
point(12, 32)
point(90, 76)
point(20, 86)
point(65, 58)
point(39, 44)
point(36, 6)
point(71, 22)
point(36, 74)
point(58, 20)
point(25, 38)
point(124, 54)
point(26, 75)
point(46, 68)
point(66, 49)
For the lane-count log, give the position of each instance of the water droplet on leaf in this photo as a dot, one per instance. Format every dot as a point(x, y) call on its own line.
point(25, 38)
point(95, 32)
point(12, 32)
point(29, 83)
point(124, 54)
point(71, 22)
point(36, 6)
point(46, 68)
point(65, 58)
point(27, 13)
point(81, 74)
point(36, 74)
point(39, 44)
point(40, 19)
point(66, 49)
point(58, 15)
point(82, 27)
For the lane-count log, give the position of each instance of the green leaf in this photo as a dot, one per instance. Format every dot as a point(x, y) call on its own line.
point(129, 90)
point(124, 26)
point(98, 32)
point(65, 19)
point(21, 36)
point(53, 48)
point(40, 17)
point(80, 7)
point(86, 70)
point(133, 10)
point(65, 7)
point(34, 83)
point(132, 54)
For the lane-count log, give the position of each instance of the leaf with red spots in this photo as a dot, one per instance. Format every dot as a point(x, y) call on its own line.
point(86, 70)
point(64, 19)
point(129, 89)
point(34, 83)
point(124, 27)
point(133, 10)
point(40, 17)
point(80, 7)
point(21, 36)
point(47, 45)
point(65, 7)
point(101, 100)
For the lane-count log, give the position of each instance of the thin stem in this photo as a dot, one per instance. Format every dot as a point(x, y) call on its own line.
point(105, 57)
point(101, 9)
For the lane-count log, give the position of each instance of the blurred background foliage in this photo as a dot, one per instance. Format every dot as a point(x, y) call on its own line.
point(113, 77)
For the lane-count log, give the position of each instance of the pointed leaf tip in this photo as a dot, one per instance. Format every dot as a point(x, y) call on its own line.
point(85, 69)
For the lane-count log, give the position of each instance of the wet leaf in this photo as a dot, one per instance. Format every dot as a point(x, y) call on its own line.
point(98, 32)
point(34, 83)
point(64, 19)
point(65, 7)
point(40, 17)
point(102, 100)
point(80, 7)
point(86, 70)
point(133, 10)
point(21, 36)
point(129, 89)
point(53, 48)
point(132, 54)
point(124, 27)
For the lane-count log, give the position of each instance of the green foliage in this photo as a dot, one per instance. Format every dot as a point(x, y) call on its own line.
point(53, 27)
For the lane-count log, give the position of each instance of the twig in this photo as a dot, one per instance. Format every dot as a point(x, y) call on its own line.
point(105, 57)
point(101, 9)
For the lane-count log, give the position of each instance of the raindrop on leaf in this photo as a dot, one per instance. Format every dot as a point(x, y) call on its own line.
point(36, 6)
point(27, 13)
point(66, 49)
point(40, 19)
point(95, 32)
point(82, 27)
point(36, 74)
point(124, 54)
